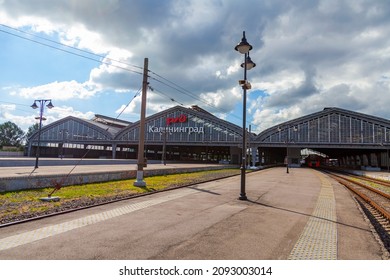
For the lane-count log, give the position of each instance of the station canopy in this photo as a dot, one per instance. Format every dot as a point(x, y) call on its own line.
point(331, 131)
point(178, 125)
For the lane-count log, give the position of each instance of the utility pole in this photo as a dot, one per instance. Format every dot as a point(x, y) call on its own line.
point(141, 158)
point(249, 149)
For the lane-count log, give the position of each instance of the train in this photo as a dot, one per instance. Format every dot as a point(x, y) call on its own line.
point(314, 163)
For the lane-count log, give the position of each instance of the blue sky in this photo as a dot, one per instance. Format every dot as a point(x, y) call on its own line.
point(309, 55)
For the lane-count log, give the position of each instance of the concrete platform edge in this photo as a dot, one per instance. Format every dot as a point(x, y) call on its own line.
point(44, 181)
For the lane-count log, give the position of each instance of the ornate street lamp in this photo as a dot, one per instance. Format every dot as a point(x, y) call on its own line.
point(64, 133)
point(41, 107)
point(288, 141)
point(244, 47)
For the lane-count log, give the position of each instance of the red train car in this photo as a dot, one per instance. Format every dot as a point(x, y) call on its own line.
point(314, 163)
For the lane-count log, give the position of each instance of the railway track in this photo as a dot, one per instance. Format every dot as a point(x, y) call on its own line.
point(374, 198)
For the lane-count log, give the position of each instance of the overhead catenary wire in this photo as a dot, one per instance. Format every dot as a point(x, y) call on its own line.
point(135, 95)
point(97, 58)
point(13, 103)
point(105, 60)
point(100, 60)
point(184, 92)
point(160, 92)
point(180, 89)
point(64, 45)
point(192, 95)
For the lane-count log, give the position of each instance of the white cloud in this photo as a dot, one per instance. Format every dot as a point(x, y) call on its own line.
point(128, 109)
point(64, 111)
point(7, 107)
point(226, 100)
point(58, 91)
point(265, 118)
point(116, 73)
point(78, 36)
point(281, 82)
point(35, 23)
point(10, 113)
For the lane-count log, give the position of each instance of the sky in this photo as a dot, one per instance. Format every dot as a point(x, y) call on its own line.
point(87, 56)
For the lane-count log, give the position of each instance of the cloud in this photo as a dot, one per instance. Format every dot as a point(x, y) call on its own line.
point(316, 56)
point(295, 94)
point(10, 113)
point(186, 41)
point(308, 53)
point(58, 90)
point(117, 72)
point(266, 118)
point(222, 99)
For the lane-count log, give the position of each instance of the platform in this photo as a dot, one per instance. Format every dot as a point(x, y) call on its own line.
point(300, 215)
point(20, 173)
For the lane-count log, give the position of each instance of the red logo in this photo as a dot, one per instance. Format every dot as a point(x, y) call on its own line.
point(179, 119)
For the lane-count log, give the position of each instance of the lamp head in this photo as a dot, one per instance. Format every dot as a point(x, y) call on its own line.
point(50, 105)
point(249, 63)
point(34, 106)
point(243, 47)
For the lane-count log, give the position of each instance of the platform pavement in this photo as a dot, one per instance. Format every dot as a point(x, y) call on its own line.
point(63, 167)
point(382, 175)
point(20, 167)
point(19, 174)
point(285, 217)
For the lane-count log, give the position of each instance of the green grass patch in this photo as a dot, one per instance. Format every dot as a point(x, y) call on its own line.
point(26, 203)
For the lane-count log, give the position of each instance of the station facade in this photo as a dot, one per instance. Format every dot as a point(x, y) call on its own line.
point(353, 139)
point(178, 133)
point(193, 134)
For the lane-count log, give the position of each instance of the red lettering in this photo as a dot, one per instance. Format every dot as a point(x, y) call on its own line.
point(169, 121)
point(181, 119)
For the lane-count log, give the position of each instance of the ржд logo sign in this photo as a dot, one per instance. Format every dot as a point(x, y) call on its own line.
point(180, 119)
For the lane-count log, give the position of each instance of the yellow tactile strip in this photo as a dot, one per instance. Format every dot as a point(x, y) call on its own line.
point(318, 241)
point(44, 232)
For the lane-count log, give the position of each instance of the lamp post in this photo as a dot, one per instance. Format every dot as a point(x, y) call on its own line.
point(41, 107)
point(63, 132)
point(287, 156)
point(164, 151)
point(244, 47)
point(288, 140)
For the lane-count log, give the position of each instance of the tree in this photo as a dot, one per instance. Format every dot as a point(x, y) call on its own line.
point(11, 134)
point(31, 130)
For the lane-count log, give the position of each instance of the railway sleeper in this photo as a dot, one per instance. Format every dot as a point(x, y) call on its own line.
point(381, 229)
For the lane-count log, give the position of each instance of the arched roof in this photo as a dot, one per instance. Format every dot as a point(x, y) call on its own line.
point(329, 127)
point(193, 126)
point(75, 130)
point(214, 129)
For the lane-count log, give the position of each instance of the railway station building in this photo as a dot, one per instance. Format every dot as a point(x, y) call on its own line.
point(351, 139)
point(333, 135)
point(179, 134)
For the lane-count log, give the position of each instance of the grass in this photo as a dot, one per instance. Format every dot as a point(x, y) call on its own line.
point(26, 203)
